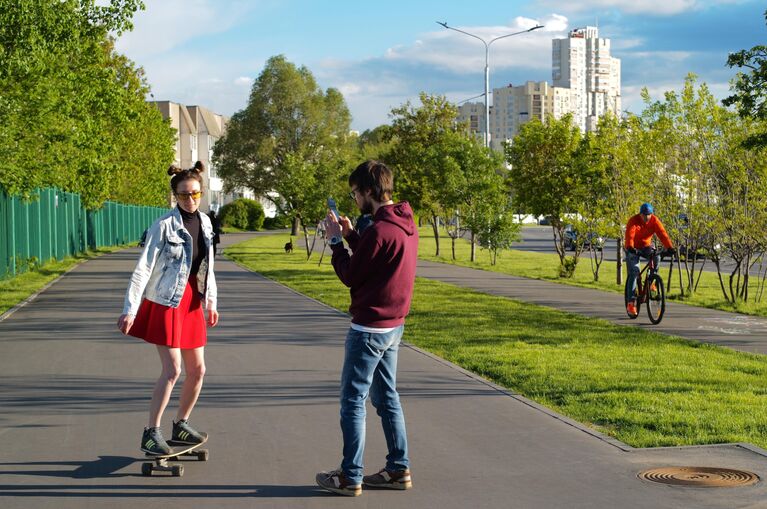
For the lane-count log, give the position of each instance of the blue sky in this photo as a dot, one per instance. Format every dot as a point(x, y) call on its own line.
point(381, 54)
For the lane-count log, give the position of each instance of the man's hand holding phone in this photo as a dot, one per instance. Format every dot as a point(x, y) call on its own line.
point(336, 225)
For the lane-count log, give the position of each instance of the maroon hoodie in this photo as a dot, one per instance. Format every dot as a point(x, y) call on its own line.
point(381, 271)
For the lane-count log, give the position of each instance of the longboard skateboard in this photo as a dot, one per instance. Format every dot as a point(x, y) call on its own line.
point(160, 463)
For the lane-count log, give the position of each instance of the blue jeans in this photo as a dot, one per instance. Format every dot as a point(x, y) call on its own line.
point(632, 260)
point(370, 367)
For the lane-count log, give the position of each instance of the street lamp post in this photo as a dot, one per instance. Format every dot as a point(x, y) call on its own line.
point(487, 68)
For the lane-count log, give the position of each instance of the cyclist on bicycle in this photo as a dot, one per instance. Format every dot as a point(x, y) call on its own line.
point(638, 243)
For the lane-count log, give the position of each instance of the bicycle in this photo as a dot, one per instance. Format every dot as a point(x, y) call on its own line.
point(649, 291)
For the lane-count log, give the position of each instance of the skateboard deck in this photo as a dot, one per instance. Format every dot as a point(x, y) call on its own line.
point(160, 462)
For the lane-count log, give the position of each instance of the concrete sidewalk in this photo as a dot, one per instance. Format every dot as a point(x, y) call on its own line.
point(74, 394)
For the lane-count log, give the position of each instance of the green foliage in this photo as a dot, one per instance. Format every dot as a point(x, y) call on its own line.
point(375, 143)
point(277, 222)
point(545, 177)
point(243, 213)
point(750, 90)
point(290, 144)
point(72, 112)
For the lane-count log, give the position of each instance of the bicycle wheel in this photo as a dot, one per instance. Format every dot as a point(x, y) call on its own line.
point(627, 299)
point(656, 298)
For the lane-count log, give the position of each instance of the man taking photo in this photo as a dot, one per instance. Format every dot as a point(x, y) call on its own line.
point(380, 274)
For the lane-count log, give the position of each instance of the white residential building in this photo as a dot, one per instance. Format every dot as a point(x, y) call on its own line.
point(513, 106)
point(473, 114)
point(582, 63)
point(197, 131)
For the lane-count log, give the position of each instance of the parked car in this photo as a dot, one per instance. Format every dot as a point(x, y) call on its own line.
point(591, 238)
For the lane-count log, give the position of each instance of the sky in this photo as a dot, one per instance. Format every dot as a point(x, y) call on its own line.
point(382, 54)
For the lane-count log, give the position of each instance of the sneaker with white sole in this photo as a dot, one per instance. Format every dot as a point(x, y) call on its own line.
point(400, 480)
point(153, 443)
point(183, 433)
point(335, 481)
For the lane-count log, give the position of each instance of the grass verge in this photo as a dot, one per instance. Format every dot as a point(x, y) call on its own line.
point(16, 289)
point(546, 266)
point(646, 389)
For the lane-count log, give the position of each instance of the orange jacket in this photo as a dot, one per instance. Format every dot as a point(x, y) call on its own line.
point(639, 234)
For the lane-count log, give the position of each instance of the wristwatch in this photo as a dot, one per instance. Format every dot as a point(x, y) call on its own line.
point(335, 239)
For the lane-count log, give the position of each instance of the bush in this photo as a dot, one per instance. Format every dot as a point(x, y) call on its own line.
point(243, 213)
point(277, 222)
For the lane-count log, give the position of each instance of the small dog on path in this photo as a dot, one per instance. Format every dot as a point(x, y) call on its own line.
point(289, 246)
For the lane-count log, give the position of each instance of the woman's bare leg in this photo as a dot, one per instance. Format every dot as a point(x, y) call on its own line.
point(194, 372)
point(171, 370)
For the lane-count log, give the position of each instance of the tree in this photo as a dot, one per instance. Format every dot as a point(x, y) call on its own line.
point(422, 140)
point(688, 133)
point(545, 179)
point(290, 144)
point(750, 90)
point(479, 194)
point(72, 111)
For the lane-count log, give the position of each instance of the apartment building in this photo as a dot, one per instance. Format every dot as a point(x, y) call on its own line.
point(514, 106)
point(197, 131)
point(582, 63)
point(473, 114)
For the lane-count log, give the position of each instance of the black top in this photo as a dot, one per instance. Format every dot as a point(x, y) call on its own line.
point(193, 225)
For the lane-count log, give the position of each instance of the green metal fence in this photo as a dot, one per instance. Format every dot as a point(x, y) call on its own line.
point(54, 224)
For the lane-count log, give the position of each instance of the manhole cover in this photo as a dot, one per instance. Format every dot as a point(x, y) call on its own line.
point(704, 477)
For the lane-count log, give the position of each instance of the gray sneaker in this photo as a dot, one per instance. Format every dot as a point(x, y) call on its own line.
point(153, 443)
point(393, 480)
point(183, 433)
point(336, 482)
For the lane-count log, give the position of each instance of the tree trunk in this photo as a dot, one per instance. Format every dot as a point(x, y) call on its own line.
point(306, 241)
point(322, 255)
point(294, 227)
point(721, 281)
point(452, 240)
point(435, 227)
point(619, 262)
point(473, 248)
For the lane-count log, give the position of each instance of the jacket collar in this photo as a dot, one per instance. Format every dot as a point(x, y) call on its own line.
point(177, 223)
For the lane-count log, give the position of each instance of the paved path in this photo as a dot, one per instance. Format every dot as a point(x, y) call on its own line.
point(741, 332)
point(74, 396)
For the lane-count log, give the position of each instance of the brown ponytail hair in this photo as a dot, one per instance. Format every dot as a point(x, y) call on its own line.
point(179, 175)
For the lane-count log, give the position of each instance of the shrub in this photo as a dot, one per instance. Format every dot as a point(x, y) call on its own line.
point(277, 222)
point(243, 213)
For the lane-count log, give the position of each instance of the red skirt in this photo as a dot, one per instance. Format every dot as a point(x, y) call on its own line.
point(181, 327)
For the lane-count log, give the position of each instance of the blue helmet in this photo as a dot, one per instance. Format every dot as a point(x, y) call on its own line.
point(646, 208)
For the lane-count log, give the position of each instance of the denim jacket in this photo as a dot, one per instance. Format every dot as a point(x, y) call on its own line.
point(164, 265)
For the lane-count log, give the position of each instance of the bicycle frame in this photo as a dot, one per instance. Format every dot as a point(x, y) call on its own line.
point(644, 274)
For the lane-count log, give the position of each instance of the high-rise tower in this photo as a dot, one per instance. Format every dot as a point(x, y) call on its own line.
point(582, 62)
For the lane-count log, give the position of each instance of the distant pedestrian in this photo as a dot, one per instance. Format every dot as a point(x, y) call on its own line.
point(215, 223)
point(380, 273)
point(174, 274)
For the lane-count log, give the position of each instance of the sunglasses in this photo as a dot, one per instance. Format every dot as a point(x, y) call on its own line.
point(195, 195)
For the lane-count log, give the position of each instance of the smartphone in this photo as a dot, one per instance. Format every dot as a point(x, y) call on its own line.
point(333, 209)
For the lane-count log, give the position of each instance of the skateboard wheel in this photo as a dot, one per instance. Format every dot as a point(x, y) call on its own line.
point(177, 470)
point(146, 469)
point(202, 455)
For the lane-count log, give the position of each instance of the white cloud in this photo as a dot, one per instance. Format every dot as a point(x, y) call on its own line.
point(457, 52)
point(648, 7)
point(167, 24)
point(243, 80)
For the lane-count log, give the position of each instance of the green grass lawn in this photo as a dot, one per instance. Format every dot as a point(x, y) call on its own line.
point(546, 266)
point(14, 290)
point(644, 388)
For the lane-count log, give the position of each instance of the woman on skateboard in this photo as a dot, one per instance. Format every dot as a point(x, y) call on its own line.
point(174, 275)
